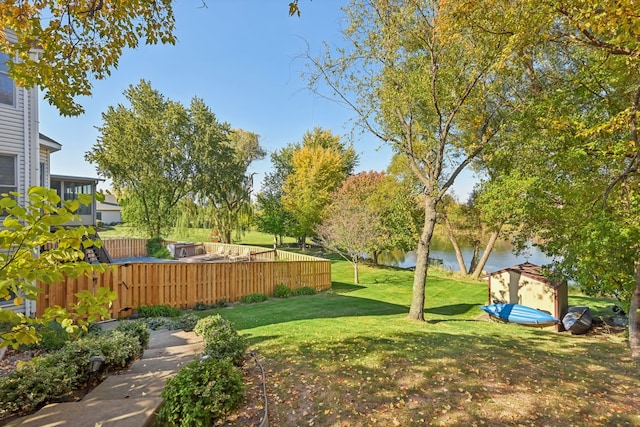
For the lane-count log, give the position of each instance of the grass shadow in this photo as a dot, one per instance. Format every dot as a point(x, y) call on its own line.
point(320, 306)
point(452, 310)
point(344, 288)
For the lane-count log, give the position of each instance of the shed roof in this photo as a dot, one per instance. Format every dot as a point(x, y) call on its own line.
point(529, 270)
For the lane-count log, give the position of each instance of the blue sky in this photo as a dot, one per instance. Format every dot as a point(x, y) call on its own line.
point(244, 59)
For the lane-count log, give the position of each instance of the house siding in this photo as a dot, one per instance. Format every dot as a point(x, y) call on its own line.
point(44, 159)
point(19, 138)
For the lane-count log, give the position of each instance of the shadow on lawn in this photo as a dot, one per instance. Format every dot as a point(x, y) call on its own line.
point(343, 288)
point(453, 309)
point(483, 376)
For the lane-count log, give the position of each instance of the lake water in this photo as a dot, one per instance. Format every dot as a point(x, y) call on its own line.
point(500, 258)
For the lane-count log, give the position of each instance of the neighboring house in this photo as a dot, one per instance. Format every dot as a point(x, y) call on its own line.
point(25, 155)
point(69, 187)
point(526, 284)
point(109, 211)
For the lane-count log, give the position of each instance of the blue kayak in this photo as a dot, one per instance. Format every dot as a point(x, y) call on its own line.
point(521, 314)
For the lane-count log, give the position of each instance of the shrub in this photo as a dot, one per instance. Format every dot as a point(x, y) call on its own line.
point(187, 322)
point(54, 336)
point(161, 310)
point(137, 330)
point(155, 323)
point(282, 291)
point(54, 376)
point(33, 385)
point(119, 348)
point(253, 298)
point(305, 290)
point(221, 340)
point(201, 393)
point(156, 248)
point(200, 306)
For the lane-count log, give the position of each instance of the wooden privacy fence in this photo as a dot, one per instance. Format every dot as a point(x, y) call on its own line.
point(125, 248)
point(185, 284)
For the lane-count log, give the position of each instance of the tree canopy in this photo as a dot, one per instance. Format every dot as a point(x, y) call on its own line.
point(76, 41)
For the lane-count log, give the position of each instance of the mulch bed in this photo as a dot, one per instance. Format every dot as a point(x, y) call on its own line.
point(9, 362)
point(252, 407)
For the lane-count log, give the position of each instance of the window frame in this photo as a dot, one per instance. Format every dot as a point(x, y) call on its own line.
point(4, 75)
point(14, 186)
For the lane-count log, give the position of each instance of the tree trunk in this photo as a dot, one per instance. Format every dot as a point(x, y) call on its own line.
point(634, 320)
point(485, 256)
point(456, 246)
point(416, 311)
point(474, 257)
point(356, 276)
point(374, 257)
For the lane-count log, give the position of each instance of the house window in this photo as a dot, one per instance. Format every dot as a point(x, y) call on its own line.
point(43, 174)
point(7, 87)
point(71, 191)
point(7, 174)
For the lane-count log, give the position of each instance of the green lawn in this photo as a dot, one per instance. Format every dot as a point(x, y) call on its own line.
point(190, 235)
point(350, 357)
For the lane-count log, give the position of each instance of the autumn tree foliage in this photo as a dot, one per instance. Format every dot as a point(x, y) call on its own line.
point(352, 225)
point(62, 45)
point(281, 210)
point(370, 213)
point(317, 171)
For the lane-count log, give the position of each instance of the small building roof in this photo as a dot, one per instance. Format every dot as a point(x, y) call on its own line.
point(529, 270)
point(76, 178)
point(49, 143)
point(110, 204)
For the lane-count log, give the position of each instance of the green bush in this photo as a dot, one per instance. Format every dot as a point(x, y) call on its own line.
point(221, 340)
point(34, 385)
point(119, 348)
point(156, 248)
point(201, 393)
point(200, 306)
point(282, 291)
point(155, 323)
point(305, 290)
point(187, 322)
point(136, 329)
point(161, 310)
point(54, 337)
point(54, 376)
point(253, 298)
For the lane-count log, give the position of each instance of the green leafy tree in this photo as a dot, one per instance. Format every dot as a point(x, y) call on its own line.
point(36, 246)
point(271, 217)
point(317, 171)
point(272, 212)
point(417, 76)
point(226, 185)
point(149, 151)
